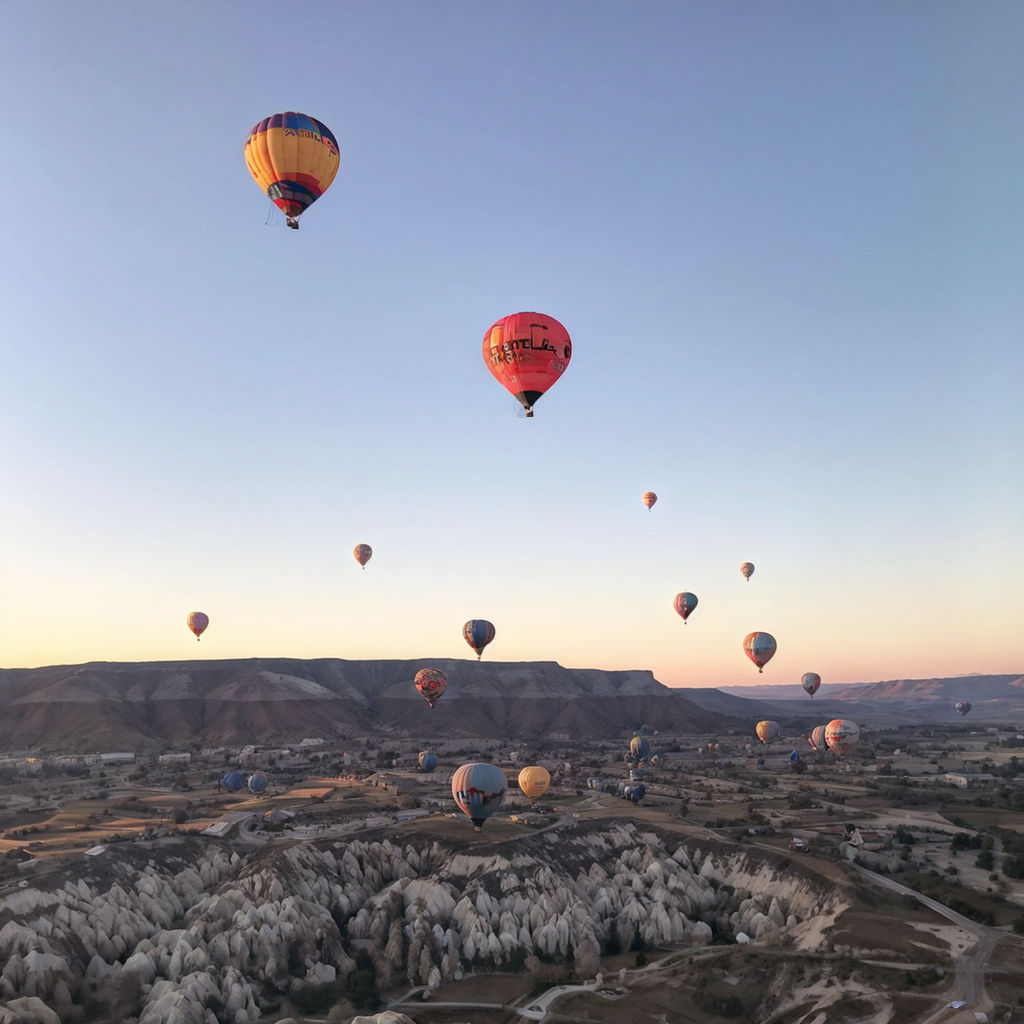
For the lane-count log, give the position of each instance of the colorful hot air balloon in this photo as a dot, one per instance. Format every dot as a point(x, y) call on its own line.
point(759, 648)
point(684, 603)
point(747, 568)
point(197, 622)
point(810, 682)
point(534, 781)
point(479, 790)
point(527, 353)
point(427, 761)
point(478, 633)
point(649, 499)
point(639, 747)
point(362, 553)
point(233, 781)
point(767, 731)
point(257, 782)
point(841, 735)
point(294, 159)
point(817, 738)
point(962, 707)
point(431, 682)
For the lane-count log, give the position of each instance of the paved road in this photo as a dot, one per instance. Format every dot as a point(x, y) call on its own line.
point(969, 976)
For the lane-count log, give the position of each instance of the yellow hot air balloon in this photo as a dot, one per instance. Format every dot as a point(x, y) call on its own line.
point(534, 781)
point(293, 158)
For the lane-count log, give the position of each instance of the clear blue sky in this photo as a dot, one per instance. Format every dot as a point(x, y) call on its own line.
point(786, 239)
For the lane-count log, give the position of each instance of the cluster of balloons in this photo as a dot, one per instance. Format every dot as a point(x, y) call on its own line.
point(235, 781)
point(840, 736)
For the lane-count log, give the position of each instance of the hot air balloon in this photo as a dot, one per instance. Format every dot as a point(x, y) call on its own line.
point(479, 790)
point(478, 633)
point(635, 793)
point(684, 603)
point(427, 761)
point(817, 738)
point(841, 735)
point(197, 622)
point(257, 782)
point(639, 747)
point(810, 682)
point(362, 554)
point(294, 159)
point(534, 781)
point(233, 781)
point(527, 353)
point(759, 648)
point(431, 682)
point(767, 731)
point(747, 568)
point(962, 707)
point(649, 499)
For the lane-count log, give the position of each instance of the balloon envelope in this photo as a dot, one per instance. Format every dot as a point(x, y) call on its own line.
point(684, 603)
point(962, 707)
point(257, 782)
point(293, 158)
point(479, 790)
point(649, 498)
point(431, 683)
point(534, 780)
point(817, 738)
point(747, 568)
point(767, 731)
point(478, 633)
point(233, 781)
point(639, 747)
point(527, 353)
point(427, 761)
point(362, 554)
point(841, 735)
point(810, 682)
point(197, 622)
point(759, 648)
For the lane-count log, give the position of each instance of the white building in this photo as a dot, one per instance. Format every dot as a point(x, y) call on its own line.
point(181, 758)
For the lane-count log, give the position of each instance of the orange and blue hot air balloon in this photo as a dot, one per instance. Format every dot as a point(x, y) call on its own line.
point(293, 158)
point(810, 682)
point(639, 747)
point(362, 553)
point(197, 622)
point(759, 648)
point(527, 353)
point(479, 790)
point(431, 683)
point(427, 761)
point(478, 633)
point(684, 603)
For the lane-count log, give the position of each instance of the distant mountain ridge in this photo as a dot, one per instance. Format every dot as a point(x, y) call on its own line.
point(992, 698)
point(158, 705)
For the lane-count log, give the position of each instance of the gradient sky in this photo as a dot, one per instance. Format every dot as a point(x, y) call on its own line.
point(786, 239)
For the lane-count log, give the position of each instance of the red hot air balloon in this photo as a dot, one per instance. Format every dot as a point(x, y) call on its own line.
point(649, 499)
point(362, 553)
point(527, 353)
point(759, 648)
point(197, 622)
point(431, 683)
point(684, 603)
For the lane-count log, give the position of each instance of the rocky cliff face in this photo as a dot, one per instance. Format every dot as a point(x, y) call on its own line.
point(193, 933)
point(112, 706)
